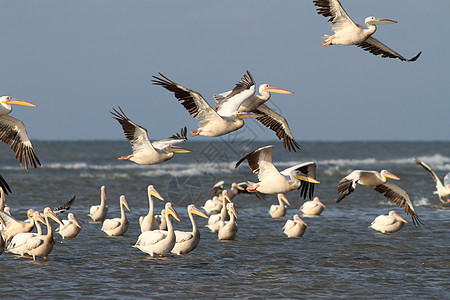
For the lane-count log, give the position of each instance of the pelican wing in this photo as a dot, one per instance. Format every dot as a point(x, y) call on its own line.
point(426, 167)
point(309, 169)
point(183, 236)
point(194, 103)
point(347, 185)
point(246, 84)
point(4, 185)
point(217, 188)
point(260, 162)
point(14, 134)
point(174, 139)
point(447, 179)
point(289, 224)
point(333, 9)
point(378, 48)
point(148, 238)
point(111, 224)
point(34, 242)
point(384, 220)
point(64, 207)
point(399, 197)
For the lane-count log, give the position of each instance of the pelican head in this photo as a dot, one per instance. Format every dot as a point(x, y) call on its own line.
point(297, 219)
point(171, 211)
point(237, 186)
point(240, 115)
point(377, 21)
point(267, 88)
point(387, 174)
point(124, 202)
point(316, 200)
point(152, 192)
point(230, 208)
point(37, 217)
point(9, 100)
point(176, 149)
point(71, 217)
point(395, 215)
point(225, 195)
point(48, 213)
point(283, 198)
point(300, 176)
point(193, 209)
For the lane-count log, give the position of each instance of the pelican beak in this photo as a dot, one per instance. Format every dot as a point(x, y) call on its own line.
point(20, 102)
point(283, 198)
point(306, 178)
point(197, 211)
point(390, 175)
point(75, 221)
point(225, 195)
point(378, 21)
point(171, 211)
point(273, 89)
point(320, 203)
point(398, 217)
point(2, 222)
point(176, 149)
point(237, 186)
point(233, 211)
point(55, 218)
point(153, 192)
point(124, 202)
point(39, 218)
point(246, 115)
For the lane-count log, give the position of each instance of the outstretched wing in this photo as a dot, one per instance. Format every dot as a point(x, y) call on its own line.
point(378, 48)
point(64, 207)
point(309, 169)
point(333, 9)
point(260, 162)
point(174, 139)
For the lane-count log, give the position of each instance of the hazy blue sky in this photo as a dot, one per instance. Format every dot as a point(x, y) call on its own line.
point(78, 59)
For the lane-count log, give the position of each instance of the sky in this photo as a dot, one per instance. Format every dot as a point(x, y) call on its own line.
point(77, 60)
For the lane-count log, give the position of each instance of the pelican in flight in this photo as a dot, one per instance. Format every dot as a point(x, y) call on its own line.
point(18, 244)
point(278, 211)
point(271, 181)
point(159, 242)
point(187, 241)
point(98, 212)
point(214, 220)
point(149, 221)
point(378, 180)
point(14, 134)
point(255, 104)
point(295, 227)
point(442, 190)
point(313, 208)
point(14, 226)
point(388, 224)
point(224, 118)
point(346, 32)
point(228, 229)
point(117, 226)
point(70, 228)
point(144, 151)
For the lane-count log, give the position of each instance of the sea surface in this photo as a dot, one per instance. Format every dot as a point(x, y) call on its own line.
point(337, 257)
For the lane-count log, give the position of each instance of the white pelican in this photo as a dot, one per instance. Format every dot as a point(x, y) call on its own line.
point(218, 121)
point(18, 244)
point(271, 181)
point(212, 206)
point(159, 242)
point(149, 221)
point(98, 212)
point(14, 226)
point(117, 226)
point(42, 245)
point(228, 229)
point(214, 220)
point(188, 241)
point(349, 33)
point(144, 151)
point(14, 134)
point(161, 219)
point(255, 104)
point(278, 211)
point(71, 227)
point(388, 224)
point(294, 228)
point(378, 180)
point(314, 207)
point(442, 190)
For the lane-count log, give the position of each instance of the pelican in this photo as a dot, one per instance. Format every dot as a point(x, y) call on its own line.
point(229, 228)
point(42, 245)
point(117, 226)
point(271, 181)
point(161, 220)
point(70, 228)
point(2, 199)
point(294, 228)
point(14, 226)
point(144, 151)
point(159, 242)
point(5, 189)
point(214, 220)
point(378, 180)
point(18, 244)
point(188, 241)
point(212, 206)
point(314, 207)
point(149, 222)
point(98, 212)
point(388, 224)
point(14, 134)
point(278, 211)
point(218, 121)
point(349, 33)
point(442, 190)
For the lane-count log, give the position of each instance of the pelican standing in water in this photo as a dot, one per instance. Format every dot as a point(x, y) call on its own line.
point(442, 190)
point(228, 229)
point(271, 181)
point(14, 226)
point(159, 242)
point(388, 224)
point(295, 227)
point(18, 244)
point(117, 226)
point(214, 220)
point(378, 180)
point(98, 212)
point(312, 208)
point(71, 227)
point(348, 32)
point(14, 134)
point(278, 211)
point(187, 241)
point(149, 221)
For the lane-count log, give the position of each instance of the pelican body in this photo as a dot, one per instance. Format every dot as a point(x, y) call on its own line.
point(214, 220)
point(14, 226)
point(98, 212)
point(149, 222)
point(312, 208)
point(117, 226)
point(295, 227)
point(18, 244)
point(278, 211)
point(228, 229)
point(70, 228)
point(442, 190)
point(388, 224)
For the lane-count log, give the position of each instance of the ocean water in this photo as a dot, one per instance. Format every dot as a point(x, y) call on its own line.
point(337, 257)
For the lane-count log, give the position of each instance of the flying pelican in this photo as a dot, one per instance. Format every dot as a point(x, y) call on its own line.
point(229, 228)
point(388, 224)
point(144, 151)
point(214, 220)
point(294, 228)
point(271, 181)
point(14, 226)
point(218, 121)
point(188, 241)
point(149, 222)
point(442, 190)
point(349, 33)
point(117, 226)
point(42, 245)
point(378, 180)
point(159, 242)
point(14, 134)
point(71, 227)
point(314, 207)
point(18, 244)
point(278, 211)
point(255, 104)
point(98, 212)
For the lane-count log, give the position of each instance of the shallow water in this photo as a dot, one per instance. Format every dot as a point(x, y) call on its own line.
point(338, 256)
